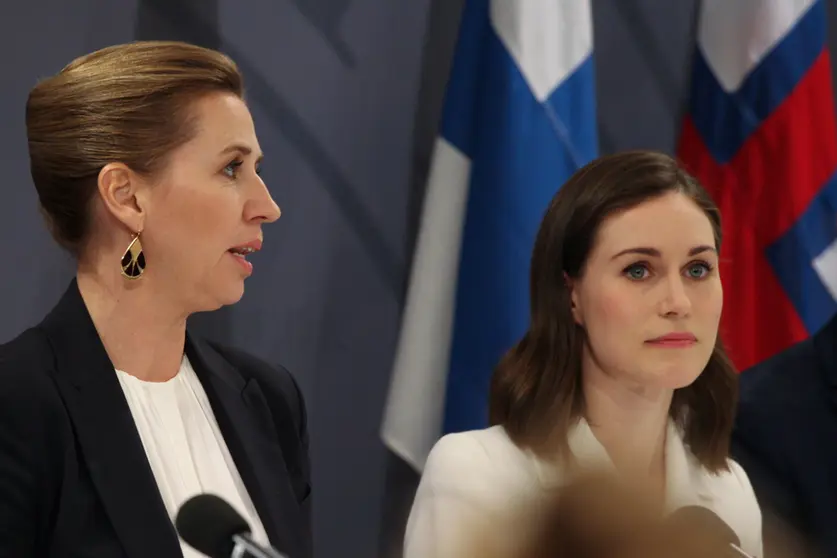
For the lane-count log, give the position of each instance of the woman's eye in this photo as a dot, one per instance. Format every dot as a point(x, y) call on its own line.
point(231, 170)
point(699, 270)
point(636, 272)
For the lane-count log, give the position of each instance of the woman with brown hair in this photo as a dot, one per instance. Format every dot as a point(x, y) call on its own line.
point(621, 368)
point(112, 414)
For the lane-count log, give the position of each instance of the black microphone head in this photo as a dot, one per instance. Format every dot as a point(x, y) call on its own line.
point(705, 522)
point(208, 523)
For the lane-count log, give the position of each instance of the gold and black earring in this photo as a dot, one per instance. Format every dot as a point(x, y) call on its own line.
point(133, 260)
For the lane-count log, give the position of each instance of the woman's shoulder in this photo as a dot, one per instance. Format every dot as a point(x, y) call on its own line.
point(477, 460)
point(473, 444)
point(26, 363)
point(472, 482)
point(28, 347)
point(31, 406)
point(733, 487)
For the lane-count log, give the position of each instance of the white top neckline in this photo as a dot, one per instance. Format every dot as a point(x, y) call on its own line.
point(184, 445)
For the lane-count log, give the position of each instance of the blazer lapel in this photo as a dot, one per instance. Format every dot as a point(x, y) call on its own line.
point(248, 428)
point(685, 477)
point(107, 436)
point(588, 455)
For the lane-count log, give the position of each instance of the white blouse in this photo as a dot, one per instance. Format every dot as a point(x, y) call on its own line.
point(478, 480)
point(184, 445)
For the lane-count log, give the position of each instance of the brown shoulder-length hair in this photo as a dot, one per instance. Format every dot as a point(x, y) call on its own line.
point(536, 388)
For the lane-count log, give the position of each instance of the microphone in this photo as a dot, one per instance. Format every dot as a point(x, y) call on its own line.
point(213, 527)
point(714, 530)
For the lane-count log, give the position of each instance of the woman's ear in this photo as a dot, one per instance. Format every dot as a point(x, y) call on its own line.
point(575, 307)
point(118, 186)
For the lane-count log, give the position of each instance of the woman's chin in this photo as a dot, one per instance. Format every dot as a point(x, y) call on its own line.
point(227, 295)
point(233, 294)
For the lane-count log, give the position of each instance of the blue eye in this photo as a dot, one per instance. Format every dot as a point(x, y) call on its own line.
point(231, 170)
point(699, 270)
point(636, 272)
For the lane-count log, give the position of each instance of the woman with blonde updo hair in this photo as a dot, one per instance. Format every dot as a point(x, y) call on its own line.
point(112, 413)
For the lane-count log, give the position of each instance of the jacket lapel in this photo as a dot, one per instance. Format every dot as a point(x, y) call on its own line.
point(107, 436)
point(249, 431)
point(588, 455)
point(684, 477)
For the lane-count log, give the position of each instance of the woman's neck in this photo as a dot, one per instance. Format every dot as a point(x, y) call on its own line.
point(630, 422)
point(141, 332)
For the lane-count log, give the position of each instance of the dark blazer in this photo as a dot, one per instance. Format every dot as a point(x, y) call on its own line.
point(786, 440)
point(74, 478)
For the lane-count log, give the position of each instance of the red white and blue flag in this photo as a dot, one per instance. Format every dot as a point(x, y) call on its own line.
point(760, 134)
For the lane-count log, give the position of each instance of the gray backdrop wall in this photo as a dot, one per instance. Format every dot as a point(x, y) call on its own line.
point(345, 94)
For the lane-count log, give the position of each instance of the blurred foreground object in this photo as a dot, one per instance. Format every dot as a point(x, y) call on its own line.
point(598, 516)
